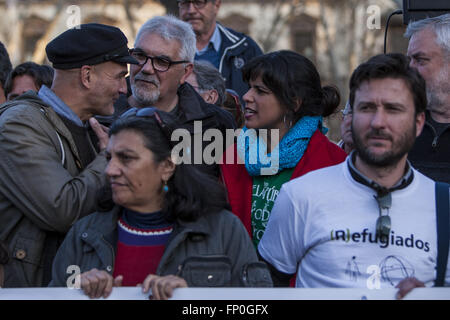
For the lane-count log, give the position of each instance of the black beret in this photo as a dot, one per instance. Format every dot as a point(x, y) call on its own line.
point(88, 44)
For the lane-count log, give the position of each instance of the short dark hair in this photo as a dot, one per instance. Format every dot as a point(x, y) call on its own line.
point(41, 74)
point(186, 198)
point(391, 65)
point(209, 78)
point(293, 78)
point(5, 65)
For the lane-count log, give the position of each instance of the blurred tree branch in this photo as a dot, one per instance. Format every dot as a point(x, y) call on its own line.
point(171, 6)
point(285, 10)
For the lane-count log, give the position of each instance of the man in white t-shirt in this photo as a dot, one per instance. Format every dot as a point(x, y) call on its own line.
point(369, 222)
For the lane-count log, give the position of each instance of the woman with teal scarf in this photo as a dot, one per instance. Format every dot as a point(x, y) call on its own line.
point(283, 137)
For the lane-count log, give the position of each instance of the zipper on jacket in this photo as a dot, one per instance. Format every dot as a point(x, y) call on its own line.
point(434, 143)
point(436, 137)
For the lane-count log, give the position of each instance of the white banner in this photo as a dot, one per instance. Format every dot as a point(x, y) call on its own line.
point(134, 293)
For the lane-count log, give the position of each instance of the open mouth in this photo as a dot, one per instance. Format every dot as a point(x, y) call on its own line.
point(249, 112)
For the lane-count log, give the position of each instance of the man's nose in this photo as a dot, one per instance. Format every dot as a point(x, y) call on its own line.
point(148, 67)
point(190, 7)
point(379, 119)
point(123, 86)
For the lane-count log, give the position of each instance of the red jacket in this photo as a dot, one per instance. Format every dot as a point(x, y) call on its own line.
point(320, 153)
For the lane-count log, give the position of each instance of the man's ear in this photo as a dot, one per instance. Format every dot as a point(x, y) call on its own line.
point(420, 122)
point(187, 71)
point(86, 76)
point(218, 4)
point(212, 96)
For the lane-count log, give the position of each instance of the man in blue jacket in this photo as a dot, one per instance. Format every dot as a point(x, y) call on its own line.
point(225, 48)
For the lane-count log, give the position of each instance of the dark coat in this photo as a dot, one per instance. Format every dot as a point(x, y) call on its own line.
point(92, 243)
point(430, 154)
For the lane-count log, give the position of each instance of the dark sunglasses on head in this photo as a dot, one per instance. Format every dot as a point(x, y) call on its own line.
point(150, 112)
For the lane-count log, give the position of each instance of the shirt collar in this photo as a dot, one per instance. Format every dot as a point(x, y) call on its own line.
point(62, 109)
point(215, 41)
point(359, 177)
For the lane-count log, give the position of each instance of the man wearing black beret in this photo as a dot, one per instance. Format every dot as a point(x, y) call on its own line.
point(50, 172)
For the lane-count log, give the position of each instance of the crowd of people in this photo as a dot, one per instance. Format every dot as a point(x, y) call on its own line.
point(88, 176)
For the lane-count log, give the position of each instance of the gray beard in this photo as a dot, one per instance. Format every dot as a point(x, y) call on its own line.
point(437, 93)
point(145, 97)
point(436, 101)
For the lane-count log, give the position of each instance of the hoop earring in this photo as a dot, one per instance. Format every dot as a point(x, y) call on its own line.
point(290, 122)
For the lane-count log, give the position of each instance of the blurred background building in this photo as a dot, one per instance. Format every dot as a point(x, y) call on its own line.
point(336, 35)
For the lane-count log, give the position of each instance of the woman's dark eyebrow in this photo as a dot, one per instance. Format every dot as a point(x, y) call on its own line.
point(126, 152)
point(260, 87)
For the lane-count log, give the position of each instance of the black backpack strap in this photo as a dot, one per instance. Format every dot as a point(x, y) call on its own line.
point(443, 233)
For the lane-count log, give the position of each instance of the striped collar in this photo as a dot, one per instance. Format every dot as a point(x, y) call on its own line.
point(230, 36)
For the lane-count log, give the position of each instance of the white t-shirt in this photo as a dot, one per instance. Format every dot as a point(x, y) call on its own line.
point(323, 226)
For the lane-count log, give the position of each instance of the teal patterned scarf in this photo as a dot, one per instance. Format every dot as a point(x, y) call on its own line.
point(252, 147)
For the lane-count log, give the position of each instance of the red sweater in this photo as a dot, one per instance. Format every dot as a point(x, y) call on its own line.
point(320, 153)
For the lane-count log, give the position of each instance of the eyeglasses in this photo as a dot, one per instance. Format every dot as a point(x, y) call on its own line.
point(346, 112)
point(150, 112)
point(160, 64)
point(198, 4)
point(383, 227)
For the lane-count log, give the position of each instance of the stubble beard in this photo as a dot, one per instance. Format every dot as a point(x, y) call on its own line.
point(438, 92)
point(390, 158)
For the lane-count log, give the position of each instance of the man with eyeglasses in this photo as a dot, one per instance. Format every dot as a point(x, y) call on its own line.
point(369, 222)
point(223, 47)
point(165, 49)
point(346, 141)
point(50, 170)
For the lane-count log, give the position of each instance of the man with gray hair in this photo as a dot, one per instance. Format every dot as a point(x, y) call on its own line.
point(165, 50)
point(208, 82)
point(429, 51)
